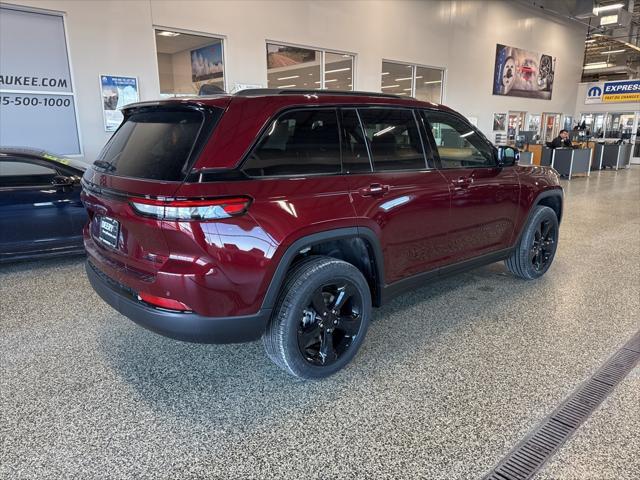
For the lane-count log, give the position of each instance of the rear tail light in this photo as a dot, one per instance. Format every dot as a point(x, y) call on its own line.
point(210, 209)
point(163, 302)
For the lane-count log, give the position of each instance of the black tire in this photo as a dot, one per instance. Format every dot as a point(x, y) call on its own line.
point(297, 327)
point(536, 249)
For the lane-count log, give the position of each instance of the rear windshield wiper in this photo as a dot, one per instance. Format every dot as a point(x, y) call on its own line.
point(105, 165)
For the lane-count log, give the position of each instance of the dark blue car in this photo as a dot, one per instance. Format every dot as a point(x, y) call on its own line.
point(41, 214)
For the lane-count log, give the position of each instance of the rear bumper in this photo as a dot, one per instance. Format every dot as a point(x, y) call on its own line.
point(188, 327)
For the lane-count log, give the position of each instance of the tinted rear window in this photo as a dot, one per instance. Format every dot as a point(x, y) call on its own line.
point(154, 144)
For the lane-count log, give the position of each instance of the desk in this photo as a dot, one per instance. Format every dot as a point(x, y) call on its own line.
point(595, 162)
point(571, 162)
point(526, 158)
point(546, 159)
point(613, 156)
point(536, 153)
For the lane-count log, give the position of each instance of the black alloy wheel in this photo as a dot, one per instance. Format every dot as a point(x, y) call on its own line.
point(543, 246)
point(330, 323)
point(536, 249)
point(321, 318)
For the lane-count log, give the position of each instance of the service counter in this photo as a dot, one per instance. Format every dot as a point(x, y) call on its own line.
point(526, 158)
point(571, 162)
point(613, 156)
point(536, 153)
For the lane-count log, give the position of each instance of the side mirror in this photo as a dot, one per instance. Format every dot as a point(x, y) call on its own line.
point(508, 156)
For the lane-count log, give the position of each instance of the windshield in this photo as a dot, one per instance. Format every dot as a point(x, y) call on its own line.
point(154, 144)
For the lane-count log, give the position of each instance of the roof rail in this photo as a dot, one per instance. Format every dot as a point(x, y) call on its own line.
point(250, 92)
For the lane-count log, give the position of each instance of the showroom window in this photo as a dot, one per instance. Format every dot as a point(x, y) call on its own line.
point(299, 142)
point(38, 107)
point(315, 69)
point(189, 64)
point(393, 138)
point(423, 83)
point(459, 146)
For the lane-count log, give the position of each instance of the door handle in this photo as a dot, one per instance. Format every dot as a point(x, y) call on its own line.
point(375, 189)
point(462, 182)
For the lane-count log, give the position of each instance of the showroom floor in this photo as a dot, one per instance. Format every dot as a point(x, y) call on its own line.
point(450, 378)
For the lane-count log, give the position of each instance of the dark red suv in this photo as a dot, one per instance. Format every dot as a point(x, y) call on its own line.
point(287, 215)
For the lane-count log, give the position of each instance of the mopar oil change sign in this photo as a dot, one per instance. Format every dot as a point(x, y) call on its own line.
point(37, 105)
point(613, 92)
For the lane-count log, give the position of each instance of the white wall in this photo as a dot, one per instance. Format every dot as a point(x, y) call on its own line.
point(116, 37)
point(165, 65)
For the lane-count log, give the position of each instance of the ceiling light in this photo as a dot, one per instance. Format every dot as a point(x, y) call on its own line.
point(289, 78)
point(406, 89)
point(597, 65)
point(390, 86)
point(338, 70)
point(385, 73)
point(433, 81)
point(613, 51)
point(164, 33)
point(384, 130)
point(590, 40)
point(402, 79)
point(288, 86)
point(606, 8)
point(332, 80)
point(419, 76)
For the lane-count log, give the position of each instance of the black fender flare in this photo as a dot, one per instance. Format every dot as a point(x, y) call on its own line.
point(553, 192)
point(372, 241)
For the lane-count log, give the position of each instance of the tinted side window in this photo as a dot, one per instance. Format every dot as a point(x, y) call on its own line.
point(355, 157)
point(459, 145)
point(297, 143)
point(15, 173)
point(394, 139)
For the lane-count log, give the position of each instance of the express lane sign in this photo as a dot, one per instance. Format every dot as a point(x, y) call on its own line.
point(613, 92)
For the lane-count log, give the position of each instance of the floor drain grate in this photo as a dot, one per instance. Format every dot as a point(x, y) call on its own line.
point(540, 444)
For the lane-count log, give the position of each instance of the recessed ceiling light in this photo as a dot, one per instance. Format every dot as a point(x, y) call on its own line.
point(613, 51)
point(289, 78)
point(165, 33)
point(390, 86)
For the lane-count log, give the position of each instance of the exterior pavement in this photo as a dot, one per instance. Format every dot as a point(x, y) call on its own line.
point(450, 378)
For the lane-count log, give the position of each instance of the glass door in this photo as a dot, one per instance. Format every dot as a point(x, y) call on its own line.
point(515, 123)
point(533, 125)
point(550, 126)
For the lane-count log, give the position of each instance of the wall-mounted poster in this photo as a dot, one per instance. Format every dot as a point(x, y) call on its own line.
point(520, 73)
point(116, 93)
point(206, 62)
point(499, 122)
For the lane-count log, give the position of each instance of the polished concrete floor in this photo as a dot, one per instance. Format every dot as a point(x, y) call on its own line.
point(450, 378)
